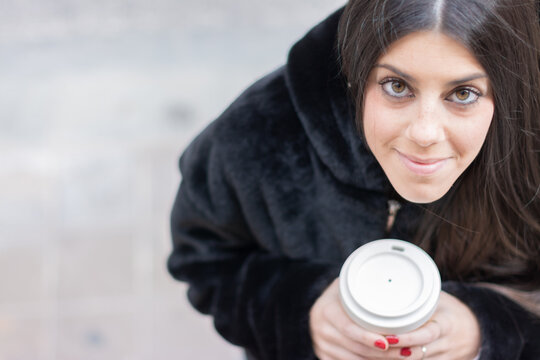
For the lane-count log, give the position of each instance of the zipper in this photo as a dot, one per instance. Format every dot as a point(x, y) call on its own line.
point(393, 208)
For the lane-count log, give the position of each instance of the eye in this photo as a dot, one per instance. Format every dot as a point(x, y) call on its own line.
point(396, 88)
point(464, 96)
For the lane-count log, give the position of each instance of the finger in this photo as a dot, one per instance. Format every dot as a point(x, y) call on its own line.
point(443, 348)
point(332, 335)
point(434, 351)
point(343, 323)
point(428, 333)
point(438, 350)
point(408, 353)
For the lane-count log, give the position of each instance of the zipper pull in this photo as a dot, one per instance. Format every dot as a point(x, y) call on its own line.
point(393, 208)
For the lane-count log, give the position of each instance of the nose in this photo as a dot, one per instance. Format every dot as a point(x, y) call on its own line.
point(426, 127)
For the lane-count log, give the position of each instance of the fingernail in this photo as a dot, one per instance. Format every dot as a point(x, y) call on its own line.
point(380, 344)
point(405, 351)
point(392, 339)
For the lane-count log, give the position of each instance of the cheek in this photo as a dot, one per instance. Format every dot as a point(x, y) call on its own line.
point(471, 136)
point(369, 118)
point(377, 120)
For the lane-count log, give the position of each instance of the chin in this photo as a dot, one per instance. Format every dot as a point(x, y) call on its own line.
point(421, 195)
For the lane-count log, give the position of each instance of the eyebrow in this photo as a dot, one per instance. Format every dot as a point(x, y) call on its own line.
point(413, 80)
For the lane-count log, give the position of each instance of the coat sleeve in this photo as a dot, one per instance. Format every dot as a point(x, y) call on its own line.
point(259, 299)
point(509, 332)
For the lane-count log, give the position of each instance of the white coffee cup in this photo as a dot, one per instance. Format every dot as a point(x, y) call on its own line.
point(389, 286)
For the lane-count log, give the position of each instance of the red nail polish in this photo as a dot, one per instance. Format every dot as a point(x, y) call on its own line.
point(392, 339)
point(405, 351)
point(380, 344)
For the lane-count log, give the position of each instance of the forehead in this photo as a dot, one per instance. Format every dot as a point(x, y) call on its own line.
point(430, 53)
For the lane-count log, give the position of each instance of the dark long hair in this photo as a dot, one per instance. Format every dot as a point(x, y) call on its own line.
point(487, 227)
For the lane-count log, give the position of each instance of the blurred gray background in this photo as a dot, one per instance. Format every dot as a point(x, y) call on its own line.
point(97, 101)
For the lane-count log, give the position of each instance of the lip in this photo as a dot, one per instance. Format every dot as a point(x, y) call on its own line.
point(422, 167)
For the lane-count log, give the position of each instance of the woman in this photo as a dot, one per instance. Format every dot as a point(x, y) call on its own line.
point(428, 105)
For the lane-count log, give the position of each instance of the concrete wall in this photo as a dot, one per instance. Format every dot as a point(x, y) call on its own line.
point(97, 100)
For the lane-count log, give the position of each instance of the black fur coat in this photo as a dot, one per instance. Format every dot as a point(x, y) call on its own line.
point(276, 193)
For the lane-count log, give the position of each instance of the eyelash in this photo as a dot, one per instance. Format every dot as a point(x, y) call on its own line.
point(477, 94)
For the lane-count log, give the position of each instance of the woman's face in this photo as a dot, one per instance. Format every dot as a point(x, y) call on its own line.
point(427, 110)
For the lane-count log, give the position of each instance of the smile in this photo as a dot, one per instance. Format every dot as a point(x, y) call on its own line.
point(422, 167)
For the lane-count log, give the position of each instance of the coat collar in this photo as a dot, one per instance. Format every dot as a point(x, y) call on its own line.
point(319, 94)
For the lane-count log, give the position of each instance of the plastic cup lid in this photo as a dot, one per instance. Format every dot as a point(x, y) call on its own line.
point(390, 286)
